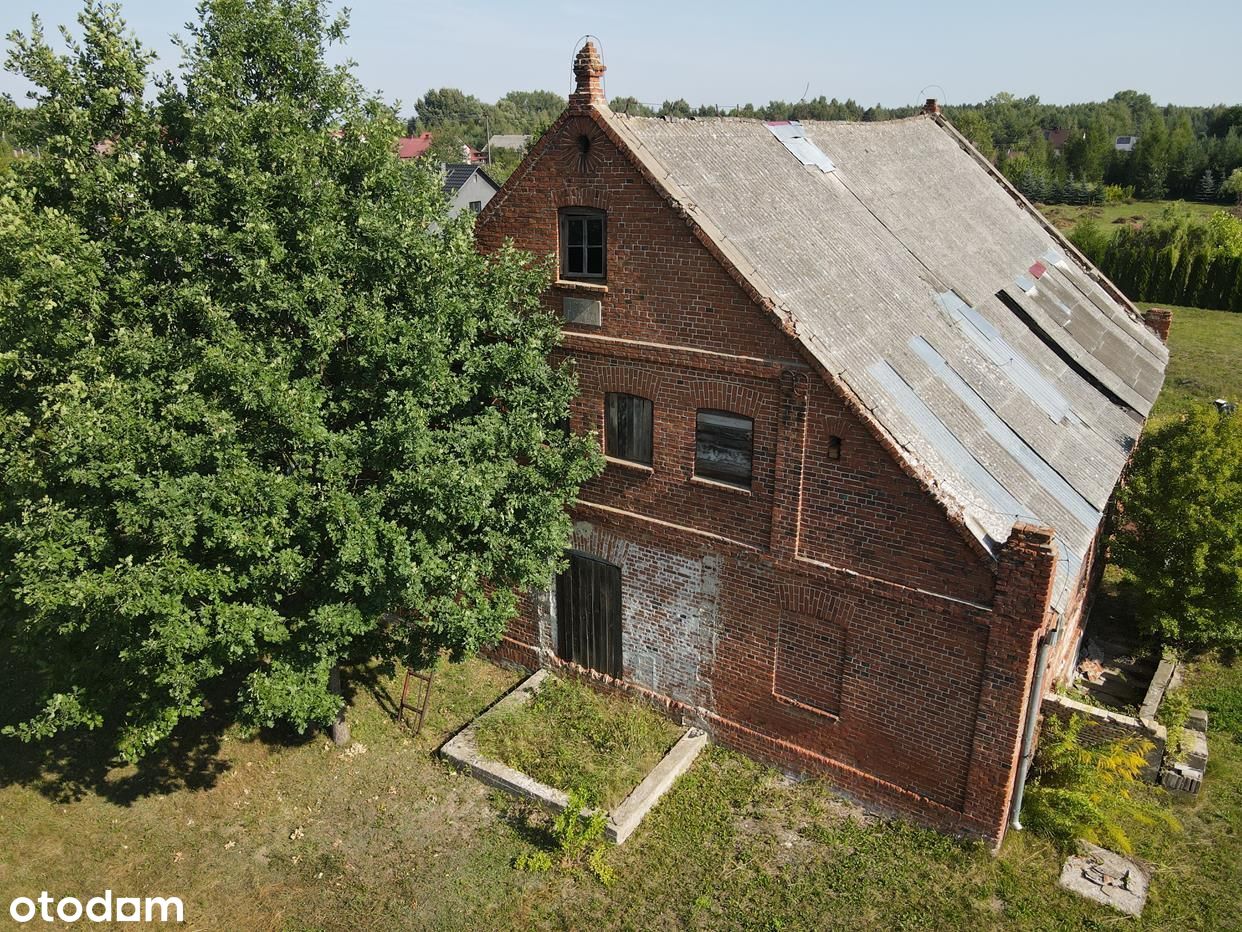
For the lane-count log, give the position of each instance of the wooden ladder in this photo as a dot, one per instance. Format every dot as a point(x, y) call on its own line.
point(419, 705)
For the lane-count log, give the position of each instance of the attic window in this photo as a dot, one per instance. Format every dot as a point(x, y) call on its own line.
point(834, 447)
point(582, 243)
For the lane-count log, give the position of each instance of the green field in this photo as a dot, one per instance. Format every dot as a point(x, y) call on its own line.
point(1205, 359)
point(1065, 216)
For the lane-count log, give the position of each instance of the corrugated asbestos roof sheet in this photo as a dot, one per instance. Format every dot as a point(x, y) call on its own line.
point(1000, 368)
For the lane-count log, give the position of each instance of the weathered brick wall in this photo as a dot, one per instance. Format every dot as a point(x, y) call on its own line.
point(831, 618)
point(856, 507)
point(668, 490)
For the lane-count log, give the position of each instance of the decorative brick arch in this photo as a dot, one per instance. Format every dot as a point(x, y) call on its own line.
point(617, 376)
point(601, 543)
point(580, 195)
point(816, 602)
point(728, 396)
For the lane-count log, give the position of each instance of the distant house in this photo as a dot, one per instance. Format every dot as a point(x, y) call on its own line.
point(1125, 143)
point(516, 141)
point(411, 147)
point(1057, 138)
point(468, 187)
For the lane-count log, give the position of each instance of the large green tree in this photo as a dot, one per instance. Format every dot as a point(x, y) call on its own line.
point(1180, 536)
point(256, 390)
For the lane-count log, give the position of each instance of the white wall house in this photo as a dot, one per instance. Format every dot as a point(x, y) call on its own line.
point(468, 187)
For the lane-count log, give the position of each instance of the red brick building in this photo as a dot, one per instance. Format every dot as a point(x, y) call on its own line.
point(864, 410)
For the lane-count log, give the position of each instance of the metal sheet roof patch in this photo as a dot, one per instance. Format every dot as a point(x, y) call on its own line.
point(793, 138)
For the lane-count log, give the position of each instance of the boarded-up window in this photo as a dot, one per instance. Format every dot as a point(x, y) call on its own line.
point(582, 243)
point(627, 434)
point(810, 653)
point(723, 447)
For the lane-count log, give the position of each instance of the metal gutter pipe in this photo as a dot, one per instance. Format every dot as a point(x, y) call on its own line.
point(1046, 643)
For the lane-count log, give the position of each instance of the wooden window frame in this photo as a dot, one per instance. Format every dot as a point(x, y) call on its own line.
point(613, 440)
point(570, 215)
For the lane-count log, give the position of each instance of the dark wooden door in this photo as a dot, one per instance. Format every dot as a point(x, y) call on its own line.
point(588, 614)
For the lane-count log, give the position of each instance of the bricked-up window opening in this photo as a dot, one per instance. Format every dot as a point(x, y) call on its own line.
point(723, 447)
point(834, 448)
point(588, 614)
point(627, 428)
point(583, 234)
point(807, 669)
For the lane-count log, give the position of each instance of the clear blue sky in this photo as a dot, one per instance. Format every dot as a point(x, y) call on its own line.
point(729, 52)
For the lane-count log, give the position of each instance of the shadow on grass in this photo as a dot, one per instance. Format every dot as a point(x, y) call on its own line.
point(73, 765)
point(534, 831)
point(372, 677)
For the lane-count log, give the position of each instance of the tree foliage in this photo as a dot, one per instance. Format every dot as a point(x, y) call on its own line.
point(256, 390)
point(1172, 260)
point(1180, 535)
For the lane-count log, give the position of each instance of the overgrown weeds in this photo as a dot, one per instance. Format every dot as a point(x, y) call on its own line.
point(575, 843)
point(1089, 792)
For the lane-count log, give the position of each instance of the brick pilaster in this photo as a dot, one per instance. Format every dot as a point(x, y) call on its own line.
point(787, 471)
point(1023, 596)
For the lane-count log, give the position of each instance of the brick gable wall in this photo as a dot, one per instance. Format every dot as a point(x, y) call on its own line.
point(831, 618)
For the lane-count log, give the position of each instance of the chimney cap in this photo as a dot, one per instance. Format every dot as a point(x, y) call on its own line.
point(588, 69)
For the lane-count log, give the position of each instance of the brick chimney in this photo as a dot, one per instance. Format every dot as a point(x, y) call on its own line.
point(1159, 320)
point(588, 69)
point(931, 106)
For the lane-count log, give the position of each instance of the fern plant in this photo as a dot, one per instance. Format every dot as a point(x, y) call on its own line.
point(1090, 792)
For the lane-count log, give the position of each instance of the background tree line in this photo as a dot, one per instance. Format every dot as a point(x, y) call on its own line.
point(1182, 152)
point(1172, 261)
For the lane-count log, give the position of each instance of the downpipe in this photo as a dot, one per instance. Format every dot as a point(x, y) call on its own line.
point(1047, 642)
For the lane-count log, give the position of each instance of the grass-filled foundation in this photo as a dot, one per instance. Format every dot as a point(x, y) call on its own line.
point(573, 738)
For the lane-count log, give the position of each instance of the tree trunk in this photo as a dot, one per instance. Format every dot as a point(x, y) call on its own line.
point(340, 728)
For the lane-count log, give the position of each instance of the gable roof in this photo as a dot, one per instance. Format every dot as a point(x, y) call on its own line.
point(1008, 374)
point(457, 174)
point(508, 141)
point(411, 147)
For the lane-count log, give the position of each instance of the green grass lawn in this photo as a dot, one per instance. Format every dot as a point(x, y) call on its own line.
point(1205, 359)
point(573, 738)
point(1064, 216)
point(291, 835)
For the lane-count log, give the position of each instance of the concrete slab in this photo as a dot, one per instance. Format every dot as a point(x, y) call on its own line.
point(1186, 775)
point(1106, 877)
point(633, 809)
point(463, 751)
